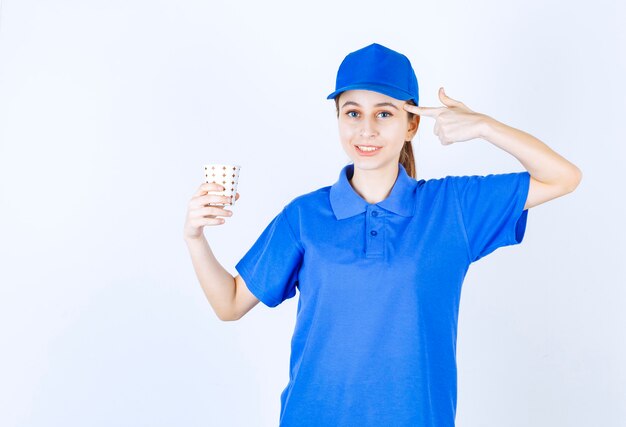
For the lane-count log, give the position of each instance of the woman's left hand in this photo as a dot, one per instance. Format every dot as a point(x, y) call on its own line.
point(454, 122)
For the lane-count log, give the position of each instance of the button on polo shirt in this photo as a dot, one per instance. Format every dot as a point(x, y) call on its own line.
point(379, 286)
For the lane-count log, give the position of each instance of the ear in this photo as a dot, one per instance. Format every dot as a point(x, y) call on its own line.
point(412, 127)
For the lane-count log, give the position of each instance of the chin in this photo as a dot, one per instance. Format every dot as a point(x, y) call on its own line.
point(370, 164)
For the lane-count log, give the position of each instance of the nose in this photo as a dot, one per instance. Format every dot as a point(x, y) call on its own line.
point(368, 130)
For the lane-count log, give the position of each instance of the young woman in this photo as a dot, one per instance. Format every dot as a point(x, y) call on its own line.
point(379, 257)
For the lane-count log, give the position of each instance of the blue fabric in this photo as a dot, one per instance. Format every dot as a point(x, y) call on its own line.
point(379, 288)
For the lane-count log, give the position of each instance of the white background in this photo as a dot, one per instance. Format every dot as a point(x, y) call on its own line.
point(110, 109)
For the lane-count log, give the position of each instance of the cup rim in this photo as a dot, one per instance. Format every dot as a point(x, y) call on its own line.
point(238, 166)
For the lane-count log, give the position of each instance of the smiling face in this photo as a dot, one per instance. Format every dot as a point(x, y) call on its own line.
point(372, 119)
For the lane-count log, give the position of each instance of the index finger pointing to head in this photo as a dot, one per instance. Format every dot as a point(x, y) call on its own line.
point(423, 111)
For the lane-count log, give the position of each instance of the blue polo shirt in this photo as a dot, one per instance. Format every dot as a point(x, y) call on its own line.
point(374, 342)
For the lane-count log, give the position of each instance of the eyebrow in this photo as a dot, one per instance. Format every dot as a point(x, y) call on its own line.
point(380, 104)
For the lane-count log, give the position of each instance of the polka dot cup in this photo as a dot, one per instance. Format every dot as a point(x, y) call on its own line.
point(226, 175)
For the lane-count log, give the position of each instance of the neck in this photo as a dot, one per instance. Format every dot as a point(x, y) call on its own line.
point(374, 185)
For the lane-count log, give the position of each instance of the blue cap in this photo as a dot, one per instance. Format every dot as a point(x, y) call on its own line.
point(378, 68)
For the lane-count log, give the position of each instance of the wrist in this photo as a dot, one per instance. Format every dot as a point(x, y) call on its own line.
point(487, 126)
point(194, 239)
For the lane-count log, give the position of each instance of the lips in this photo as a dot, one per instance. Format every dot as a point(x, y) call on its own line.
point(367, 153)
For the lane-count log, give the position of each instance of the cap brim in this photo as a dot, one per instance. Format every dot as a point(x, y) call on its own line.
point(384, 89)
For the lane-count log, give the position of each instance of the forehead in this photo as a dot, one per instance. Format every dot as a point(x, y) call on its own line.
point(367, 97)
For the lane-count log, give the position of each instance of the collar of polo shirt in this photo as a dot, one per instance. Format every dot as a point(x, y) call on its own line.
point(346, 202)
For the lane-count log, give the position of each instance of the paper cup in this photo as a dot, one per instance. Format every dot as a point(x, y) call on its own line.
point(226, 175)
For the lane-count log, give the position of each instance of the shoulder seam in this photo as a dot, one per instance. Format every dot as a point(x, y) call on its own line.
point(291, 232)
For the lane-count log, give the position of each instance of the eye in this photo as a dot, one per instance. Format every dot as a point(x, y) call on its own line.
point(350, 112)
point(385, 112)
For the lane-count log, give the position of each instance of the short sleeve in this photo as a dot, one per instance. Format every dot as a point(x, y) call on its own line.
point(270, 267)
point(492, 210)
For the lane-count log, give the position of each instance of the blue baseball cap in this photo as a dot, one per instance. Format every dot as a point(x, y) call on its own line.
point(380, 69)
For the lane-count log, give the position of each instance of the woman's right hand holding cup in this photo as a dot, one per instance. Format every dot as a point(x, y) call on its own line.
point(200, 214)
